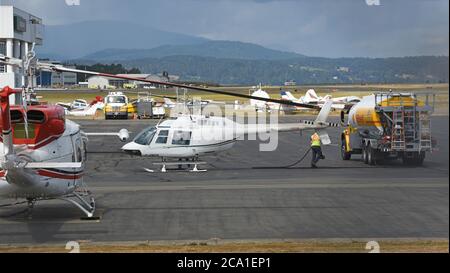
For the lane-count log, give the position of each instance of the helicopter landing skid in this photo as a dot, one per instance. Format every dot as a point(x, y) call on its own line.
point(76, 198)
point(79, 201)
point(179, 164)
point(82, 199)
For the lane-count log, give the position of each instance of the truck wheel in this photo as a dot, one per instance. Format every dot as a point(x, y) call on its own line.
point(371, 156)
point(416, 160)
point(344, 154)
point(420, 159)
point(365, 155)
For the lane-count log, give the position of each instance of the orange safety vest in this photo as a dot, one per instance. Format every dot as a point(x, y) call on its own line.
point(315, 140)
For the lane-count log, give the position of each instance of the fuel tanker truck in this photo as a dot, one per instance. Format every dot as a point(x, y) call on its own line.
point(387, 126)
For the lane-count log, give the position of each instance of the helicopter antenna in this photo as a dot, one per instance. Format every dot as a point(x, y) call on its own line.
point(159, 122)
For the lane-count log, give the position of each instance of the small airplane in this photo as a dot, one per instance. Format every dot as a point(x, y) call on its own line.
point(80, 104)
point(80, 107)
point(76, 104)
point(260, 105)
point(311, 97)
point(90, 110)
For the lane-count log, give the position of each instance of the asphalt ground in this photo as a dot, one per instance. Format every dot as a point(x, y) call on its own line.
point(238, 200)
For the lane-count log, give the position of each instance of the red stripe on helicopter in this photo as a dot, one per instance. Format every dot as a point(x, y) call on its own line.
point(54, 174)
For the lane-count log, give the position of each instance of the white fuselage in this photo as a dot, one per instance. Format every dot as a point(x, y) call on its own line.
point(173, 138)
point(90, 110)
point(47, 183)
point(193, 136)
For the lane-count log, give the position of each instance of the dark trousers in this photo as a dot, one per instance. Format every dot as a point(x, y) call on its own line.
point(316, 154)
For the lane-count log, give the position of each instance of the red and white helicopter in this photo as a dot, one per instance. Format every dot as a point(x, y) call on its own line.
point(42, 154)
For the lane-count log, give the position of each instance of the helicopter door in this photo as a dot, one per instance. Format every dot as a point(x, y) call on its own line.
point(182, 138)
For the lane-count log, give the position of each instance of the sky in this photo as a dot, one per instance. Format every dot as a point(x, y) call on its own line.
point(325, 28)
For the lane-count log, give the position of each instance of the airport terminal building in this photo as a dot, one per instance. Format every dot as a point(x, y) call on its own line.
point(56, 79)
point(18, 31)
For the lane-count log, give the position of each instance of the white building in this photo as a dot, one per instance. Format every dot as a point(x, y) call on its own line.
point(290, 83)
point(18, 31)
point(100, 82)
point(106, 83)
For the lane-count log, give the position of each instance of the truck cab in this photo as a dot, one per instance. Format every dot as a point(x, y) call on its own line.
point(116, 106)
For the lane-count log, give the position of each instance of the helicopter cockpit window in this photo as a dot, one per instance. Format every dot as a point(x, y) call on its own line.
point(181, 138)
point(162, 137)
point(146, 136)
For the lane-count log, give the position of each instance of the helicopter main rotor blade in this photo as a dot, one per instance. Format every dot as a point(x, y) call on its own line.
point(59, 68)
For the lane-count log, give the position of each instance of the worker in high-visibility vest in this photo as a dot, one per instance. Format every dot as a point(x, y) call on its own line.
point(316, 150)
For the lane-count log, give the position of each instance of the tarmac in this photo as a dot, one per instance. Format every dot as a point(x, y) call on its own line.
point(245, 196)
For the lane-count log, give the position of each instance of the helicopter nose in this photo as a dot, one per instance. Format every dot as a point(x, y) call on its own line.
point(132, 149)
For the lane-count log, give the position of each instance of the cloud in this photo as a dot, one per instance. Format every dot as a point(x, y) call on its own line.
point(319, 28)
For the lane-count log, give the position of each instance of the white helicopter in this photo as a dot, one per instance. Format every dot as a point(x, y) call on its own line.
point(43, 154)
point(192, 136)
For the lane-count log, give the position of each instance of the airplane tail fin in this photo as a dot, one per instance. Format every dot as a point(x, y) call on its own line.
point(311, 95)
point(92, 110)
point(327, 97)
point(286, 95)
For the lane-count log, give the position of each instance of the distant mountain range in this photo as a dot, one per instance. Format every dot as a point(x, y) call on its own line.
point(74, 41)
point(216, 49)
point(304, 70)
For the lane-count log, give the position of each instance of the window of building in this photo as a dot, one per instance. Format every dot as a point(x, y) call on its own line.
point(3, 52)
